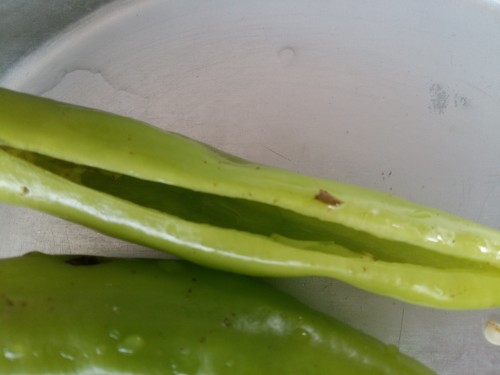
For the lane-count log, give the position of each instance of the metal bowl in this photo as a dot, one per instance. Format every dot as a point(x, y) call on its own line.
point(399, 96)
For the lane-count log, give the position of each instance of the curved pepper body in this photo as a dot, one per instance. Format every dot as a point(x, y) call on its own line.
point(136, 182)
point(86, 315)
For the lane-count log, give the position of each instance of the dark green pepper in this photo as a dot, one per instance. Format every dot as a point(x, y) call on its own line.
point(139, 183)
point(94, 316)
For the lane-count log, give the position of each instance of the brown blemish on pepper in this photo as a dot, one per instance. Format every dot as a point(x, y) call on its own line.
point(369, 256)
point(25, 190)
point(327, 198)
point(227, 322)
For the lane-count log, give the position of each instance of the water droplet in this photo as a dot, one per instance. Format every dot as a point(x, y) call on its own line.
point(114, 334)
point(484, 249)
point(14, 352)
point(131, 344)
point(286, 55)
point(302, 333)
point(100, 350)
point(308, 333)
point(230, 363)
point(67, 356)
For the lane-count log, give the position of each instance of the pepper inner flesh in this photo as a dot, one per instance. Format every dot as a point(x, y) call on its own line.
point(276, 223)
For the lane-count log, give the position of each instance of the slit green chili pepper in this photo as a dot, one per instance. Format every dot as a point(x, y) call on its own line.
point(139, 183)
point(96, 316)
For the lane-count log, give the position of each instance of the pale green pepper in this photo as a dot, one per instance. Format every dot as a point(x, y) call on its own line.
point(134, 181)
point(93, 316)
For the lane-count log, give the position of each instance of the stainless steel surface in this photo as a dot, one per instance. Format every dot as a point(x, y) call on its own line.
point(400, 96)
point(26, 24)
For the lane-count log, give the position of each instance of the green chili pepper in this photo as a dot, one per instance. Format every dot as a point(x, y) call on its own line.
point(139, 183)
point(86, 315)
